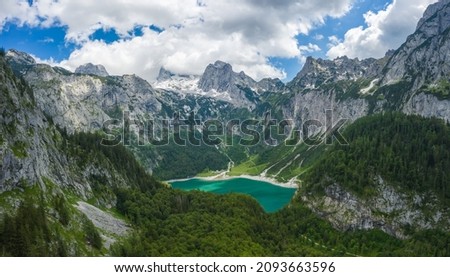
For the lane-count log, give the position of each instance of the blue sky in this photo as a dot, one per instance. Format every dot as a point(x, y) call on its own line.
point(185, 43)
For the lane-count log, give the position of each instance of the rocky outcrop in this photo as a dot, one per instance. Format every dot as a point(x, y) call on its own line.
point(428, 105)
point(91, 69)
point(325, 108)
point(388, 210)
point(424, 58)
point(19, 61)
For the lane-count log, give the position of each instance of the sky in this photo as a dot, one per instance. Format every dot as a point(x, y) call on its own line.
point(263, 38)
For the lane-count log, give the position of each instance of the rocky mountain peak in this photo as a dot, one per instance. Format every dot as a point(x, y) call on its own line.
point(218, 76)
point(389, 53)
point(316, 72)
point(432, 10)
point(164, 75)
point(223, 65)
point(436, 19)
point(92, 69)
point(18, 57)
point(430, 43)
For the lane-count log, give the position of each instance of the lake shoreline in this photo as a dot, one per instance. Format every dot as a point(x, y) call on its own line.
point(291, 184)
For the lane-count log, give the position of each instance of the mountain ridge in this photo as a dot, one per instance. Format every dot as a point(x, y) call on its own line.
point(64, 193)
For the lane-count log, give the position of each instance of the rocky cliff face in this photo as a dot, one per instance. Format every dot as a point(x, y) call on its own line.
point(241, 90)
point(91, 69)
point(428, 106)
point(314, 105)
point(30, 147)
point(85, 102)
point(317, 72)
point(424, 58)
point(24, 155)
point(389, 210)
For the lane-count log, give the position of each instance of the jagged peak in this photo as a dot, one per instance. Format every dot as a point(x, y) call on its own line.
point(432, 10)
point(92, 69)
point(428, 42)
point(164, 75)
point(390, 53)
point(221, 64)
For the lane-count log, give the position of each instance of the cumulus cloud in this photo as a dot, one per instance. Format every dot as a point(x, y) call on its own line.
point(245, 33)
point(18, 11)
point(386, 29)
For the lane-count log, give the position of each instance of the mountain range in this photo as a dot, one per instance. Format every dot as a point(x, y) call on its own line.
point(51, 120)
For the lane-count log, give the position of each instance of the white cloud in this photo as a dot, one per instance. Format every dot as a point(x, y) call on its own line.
point(244, 33)
point(310, 48)
point(333, 41)
point(19, 12)
point(386, 29)
point(318, 37)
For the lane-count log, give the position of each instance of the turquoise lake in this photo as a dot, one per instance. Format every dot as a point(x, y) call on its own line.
point(271, 197)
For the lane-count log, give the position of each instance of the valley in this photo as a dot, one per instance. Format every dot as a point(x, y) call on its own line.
point(350, 158)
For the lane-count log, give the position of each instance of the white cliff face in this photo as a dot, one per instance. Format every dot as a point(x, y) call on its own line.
point(69, 100)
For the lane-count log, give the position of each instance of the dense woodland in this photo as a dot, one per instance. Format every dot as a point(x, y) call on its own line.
point(409, 152)
point(175, 223)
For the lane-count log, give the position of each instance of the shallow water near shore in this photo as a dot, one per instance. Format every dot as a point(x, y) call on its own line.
point(271, 197)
